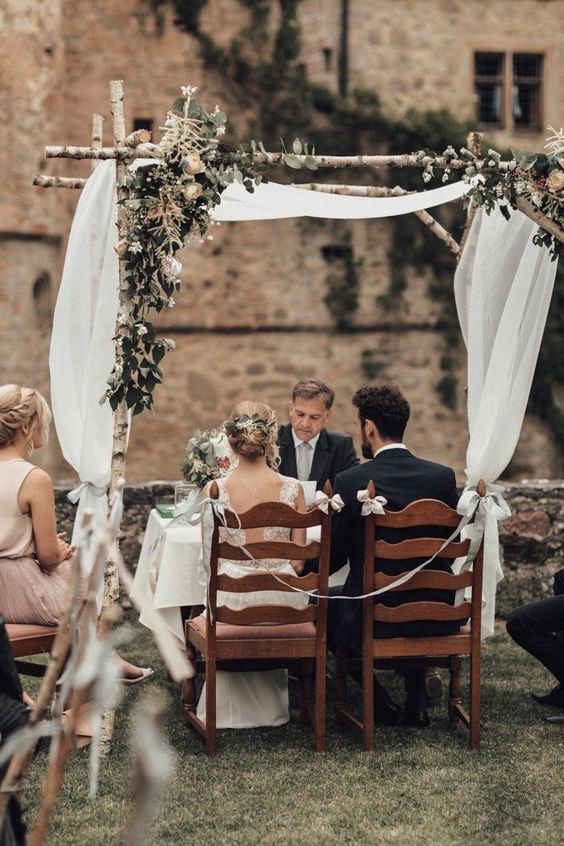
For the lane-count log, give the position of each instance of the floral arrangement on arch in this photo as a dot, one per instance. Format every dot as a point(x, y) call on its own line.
point(208, 456)
point(168, 202)
point(496, 182)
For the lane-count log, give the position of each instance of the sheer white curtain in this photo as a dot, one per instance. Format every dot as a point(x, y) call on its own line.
point(82, 353)
point(503, 286)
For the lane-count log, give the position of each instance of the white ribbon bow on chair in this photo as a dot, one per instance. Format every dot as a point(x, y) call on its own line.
point(492, 503)
point(371, 504)
point(323, 502)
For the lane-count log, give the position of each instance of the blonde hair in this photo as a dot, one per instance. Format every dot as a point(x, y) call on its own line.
point(22, 407)
point(253, 441)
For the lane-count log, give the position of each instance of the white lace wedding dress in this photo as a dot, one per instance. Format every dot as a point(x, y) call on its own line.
point(251, 699)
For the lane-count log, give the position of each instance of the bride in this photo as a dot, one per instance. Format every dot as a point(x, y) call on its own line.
point(250, 699)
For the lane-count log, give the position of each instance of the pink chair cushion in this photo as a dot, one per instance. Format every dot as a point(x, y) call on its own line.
point(19, 631)
point(225, 631)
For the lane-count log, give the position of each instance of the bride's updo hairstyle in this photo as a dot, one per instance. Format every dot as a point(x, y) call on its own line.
point(252, 431)
point(23, 407)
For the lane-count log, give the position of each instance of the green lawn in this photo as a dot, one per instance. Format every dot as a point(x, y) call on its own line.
point(269, 786)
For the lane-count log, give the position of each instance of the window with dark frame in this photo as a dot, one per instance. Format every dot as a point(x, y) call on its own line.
point(488, 82)
point(526, 90)
point(491, 84)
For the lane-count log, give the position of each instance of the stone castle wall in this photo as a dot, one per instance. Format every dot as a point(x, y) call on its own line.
point(420, 54)
point(57, 59)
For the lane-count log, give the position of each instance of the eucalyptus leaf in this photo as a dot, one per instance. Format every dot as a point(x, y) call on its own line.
point(292, 161)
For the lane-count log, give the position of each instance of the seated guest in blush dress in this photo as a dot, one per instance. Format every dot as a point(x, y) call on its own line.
point(255, 698)
point(34, 559)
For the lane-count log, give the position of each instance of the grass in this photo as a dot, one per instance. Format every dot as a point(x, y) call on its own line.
point(269, 787)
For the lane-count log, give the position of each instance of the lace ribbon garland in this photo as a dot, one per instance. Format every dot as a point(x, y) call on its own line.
point(469, 505)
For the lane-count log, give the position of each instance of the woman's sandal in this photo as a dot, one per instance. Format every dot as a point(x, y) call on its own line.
point(146, 673)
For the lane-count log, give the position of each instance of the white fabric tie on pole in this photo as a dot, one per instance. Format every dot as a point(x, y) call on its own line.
point(503, 286)
point(82, 351)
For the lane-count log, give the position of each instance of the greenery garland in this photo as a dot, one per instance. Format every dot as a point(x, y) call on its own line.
point(168, 202)
point(498, 182)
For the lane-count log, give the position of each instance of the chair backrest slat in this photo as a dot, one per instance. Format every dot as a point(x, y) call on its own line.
point(265, 581)
point(273, 514)
point(413, 611)
point(270, 549)
point(420, 548)
point(427, 580)
point(423, 512)
point(256, 614)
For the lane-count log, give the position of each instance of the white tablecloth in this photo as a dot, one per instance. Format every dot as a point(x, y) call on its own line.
point(178, 578)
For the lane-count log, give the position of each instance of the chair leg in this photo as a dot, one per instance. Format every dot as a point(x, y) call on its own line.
point(342, 668)
point(306, 704)
point(188, 689)
point(475, 699)
point(211, 714)
point(368, 699)
point(454, 689)
point(320, 699)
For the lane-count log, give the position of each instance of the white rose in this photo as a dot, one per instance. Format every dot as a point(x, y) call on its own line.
point(193, 164)
point(555, 181)
point(221, 447)
point(193, 191)
point(142, 330)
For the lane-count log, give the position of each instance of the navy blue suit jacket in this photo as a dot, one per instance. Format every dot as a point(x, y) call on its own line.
point(401, 478)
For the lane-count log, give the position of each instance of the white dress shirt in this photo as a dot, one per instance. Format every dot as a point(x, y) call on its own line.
point(312, 443)
point(389, 446)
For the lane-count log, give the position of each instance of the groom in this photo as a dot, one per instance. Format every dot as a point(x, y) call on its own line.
point(401, 478)
point(309, 451)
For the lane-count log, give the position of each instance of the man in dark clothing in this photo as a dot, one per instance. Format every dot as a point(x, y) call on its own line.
point(539, 628)
point(401, 478)
point(309, 451)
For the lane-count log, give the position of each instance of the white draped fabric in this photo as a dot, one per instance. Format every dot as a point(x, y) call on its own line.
point(82, 353)
point(503, 286)
point(272, 201)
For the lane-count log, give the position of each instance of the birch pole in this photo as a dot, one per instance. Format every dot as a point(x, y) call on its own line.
point(474, 144)
point(121, 420)
point(97, 136)
point(380, 191)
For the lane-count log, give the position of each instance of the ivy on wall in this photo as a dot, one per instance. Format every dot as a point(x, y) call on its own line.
point(263, 71)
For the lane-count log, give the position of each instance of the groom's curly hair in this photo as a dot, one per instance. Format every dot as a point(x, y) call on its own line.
point(386, 407)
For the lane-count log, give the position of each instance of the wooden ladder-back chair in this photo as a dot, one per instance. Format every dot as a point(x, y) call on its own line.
point(262, 632)
point(414, 652)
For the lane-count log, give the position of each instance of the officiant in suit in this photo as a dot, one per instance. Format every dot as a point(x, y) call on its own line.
point(401, 478)
point(309, 451)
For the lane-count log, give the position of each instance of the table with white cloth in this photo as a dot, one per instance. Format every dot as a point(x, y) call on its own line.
point(176, 577)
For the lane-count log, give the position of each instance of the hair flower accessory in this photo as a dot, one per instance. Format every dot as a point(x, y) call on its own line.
point(247, 424)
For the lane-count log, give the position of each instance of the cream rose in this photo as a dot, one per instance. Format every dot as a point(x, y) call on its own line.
point(193, 164)
point(555, 181)
point(193, 191)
